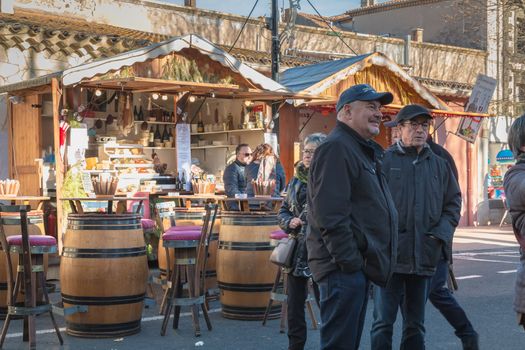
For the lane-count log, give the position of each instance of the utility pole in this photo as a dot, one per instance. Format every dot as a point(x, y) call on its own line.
point(276, 54)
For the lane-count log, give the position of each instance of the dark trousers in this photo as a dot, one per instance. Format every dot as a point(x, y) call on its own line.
point(297, 294)
point(443, 300)
point(343, 309)
point(409, 291)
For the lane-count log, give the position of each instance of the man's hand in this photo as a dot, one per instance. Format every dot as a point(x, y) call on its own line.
point(295, 223)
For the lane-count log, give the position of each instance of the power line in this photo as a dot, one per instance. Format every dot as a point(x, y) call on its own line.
point(243, 25)
point(332, 29)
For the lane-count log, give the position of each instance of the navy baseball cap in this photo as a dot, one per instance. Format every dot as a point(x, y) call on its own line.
point(407, 113)
point(363, 92)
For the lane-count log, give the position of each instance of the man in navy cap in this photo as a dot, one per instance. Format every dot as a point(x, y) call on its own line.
point(352, 230)
point(428, 200)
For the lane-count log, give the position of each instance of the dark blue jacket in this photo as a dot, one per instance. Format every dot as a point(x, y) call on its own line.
point(234, 179)
point(251, 172)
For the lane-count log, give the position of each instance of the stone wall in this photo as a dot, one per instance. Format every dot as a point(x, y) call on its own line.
point(427, 60)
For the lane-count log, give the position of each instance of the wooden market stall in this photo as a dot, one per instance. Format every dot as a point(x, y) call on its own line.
point(133, 97)
point(329, 79)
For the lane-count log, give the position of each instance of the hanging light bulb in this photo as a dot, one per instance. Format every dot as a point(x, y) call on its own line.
point(155, 96)
point(191, 98)
point(149, 103)
point(98, 92)
point(212, 94)
point(127, 102)
point(247, 103)
point(164, 97)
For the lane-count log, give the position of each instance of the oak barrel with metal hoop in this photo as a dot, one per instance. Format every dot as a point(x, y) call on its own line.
point(11, 225)
point(104, 266)
point(245, 275)
point(194, 217)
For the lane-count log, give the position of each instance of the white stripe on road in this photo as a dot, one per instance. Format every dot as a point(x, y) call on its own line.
point(144, 319)
point(468, 277)
point(470, 240)
point(462, 257)
point(495, 236)
point(508, 271)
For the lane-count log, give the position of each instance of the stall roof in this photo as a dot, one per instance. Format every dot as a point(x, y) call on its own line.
point(75, 75)
point(315, 79)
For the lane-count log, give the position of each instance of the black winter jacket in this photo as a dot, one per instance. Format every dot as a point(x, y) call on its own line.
point(428, 201)
point(352, 221)
point(234, 179)
point(294, 206)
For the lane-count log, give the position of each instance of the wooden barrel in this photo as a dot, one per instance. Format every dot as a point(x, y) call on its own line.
point(194, 217)
point(11, 226)
point(104, 266)
point(245, 275)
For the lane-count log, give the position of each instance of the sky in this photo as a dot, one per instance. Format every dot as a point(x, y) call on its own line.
point(243, 7)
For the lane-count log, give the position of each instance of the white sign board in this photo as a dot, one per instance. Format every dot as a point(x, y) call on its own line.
point(271, 139)
point(183, 146)
point(478, 102)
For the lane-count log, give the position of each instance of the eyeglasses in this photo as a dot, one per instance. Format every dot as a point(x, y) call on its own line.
point(247, 154)
point(415, 125)
point(308, 151)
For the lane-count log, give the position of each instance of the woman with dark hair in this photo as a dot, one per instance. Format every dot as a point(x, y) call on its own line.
point(514, 184)
point(265, 166)
point(292, 220)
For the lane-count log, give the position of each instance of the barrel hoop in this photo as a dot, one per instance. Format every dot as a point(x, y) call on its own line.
point(245, 246)
point(269, 221)
point(90, 328)
point(214, 236)
point(210, 273)
point(250, 288)
point(112, 300)
point(249, 310)
point(16, 221)
point(104, 228)
point(103, 253)
point(3, 286)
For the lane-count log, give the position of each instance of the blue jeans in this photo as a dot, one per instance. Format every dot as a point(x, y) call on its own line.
point(443, 300)
point(409, 291)
point(343, 309)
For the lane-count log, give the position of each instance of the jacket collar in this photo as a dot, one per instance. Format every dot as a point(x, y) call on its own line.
point(400, 148)
point(239, 163)
point(371, 147)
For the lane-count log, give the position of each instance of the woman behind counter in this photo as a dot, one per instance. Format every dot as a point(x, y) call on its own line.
point(292, 216)
point(265, 166)
point(514, 184)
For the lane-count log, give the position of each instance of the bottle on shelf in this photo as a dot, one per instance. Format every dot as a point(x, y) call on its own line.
point(165, 136)
point(200, 124)
point(183, 181)
point(140, 115)
point(172, 117)
point(177, 182)
point(157, 137)
point(170, 136)
point(135, 113)
point(230, 121)
point(151, 139)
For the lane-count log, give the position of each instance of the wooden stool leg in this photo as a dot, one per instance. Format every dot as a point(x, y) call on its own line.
point(270, 302)
point(4, 330)
point(178, 294)
point(46, 299)
point(190, 272)
point(170, 291)
point(284, 305)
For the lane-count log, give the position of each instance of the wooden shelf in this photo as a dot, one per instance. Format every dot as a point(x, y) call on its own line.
point(153, 122)
point(223, 132)
point(211, 146)
point(171, 148)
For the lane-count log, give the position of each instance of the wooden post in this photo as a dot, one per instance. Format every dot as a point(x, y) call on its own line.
point(56, 92)
point(289, 124)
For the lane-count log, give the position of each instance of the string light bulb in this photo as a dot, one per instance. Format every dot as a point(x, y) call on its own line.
point(248, 103)
point(164, 97)
point(155, 96)
point(191, 98)
point(98, 92)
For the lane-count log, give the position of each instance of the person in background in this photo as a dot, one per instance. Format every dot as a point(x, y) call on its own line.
point(292, 220)
point(514, 185)
point(428, 201)
point(265, 166)
point(233, 177)
point(440, 295)
point(352, 220)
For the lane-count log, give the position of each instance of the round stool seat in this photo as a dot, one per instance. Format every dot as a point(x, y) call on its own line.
point(147, 224)
point(34, 241)
point(188, 235)
point(278, 235)
point(184, 228)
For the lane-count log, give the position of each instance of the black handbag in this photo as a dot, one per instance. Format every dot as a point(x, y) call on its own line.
point(283, 254)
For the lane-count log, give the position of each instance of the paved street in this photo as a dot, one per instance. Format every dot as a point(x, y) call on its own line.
point(485, 264)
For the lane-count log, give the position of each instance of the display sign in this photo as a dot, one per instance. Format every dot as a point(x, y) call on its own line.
point(183, 147)
point(478, 102)
point(271, 139)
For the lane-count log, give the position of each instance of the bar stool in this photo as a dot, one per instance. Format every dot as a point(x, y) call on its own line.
point(30, 269)
point(280, 289)
point(191, 253)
